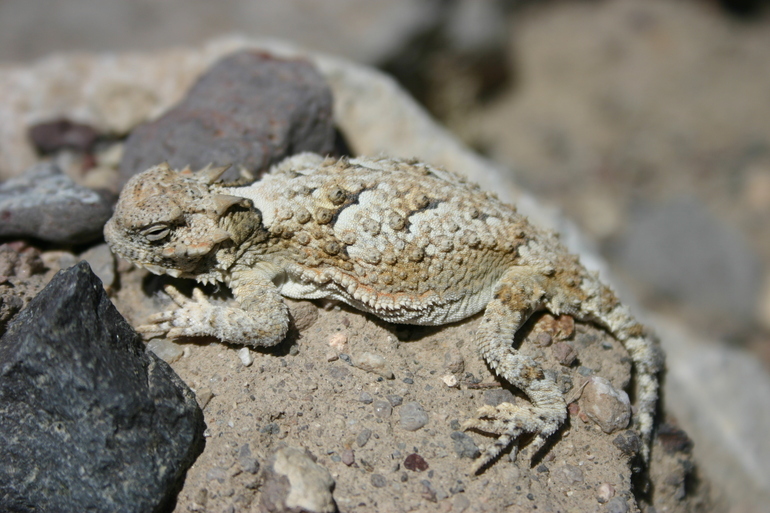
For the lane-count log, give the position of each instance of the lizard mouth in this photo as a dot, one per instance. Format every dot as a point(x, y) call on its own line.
point(156, 269)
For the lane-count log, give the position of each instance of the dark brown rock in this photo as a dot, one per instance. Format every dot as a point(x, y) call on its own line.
point(250, 109)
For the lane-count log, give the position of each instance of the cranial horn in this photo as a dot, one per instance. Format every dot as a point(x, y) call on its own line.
point(219, 235)
point(224, 201)
point(211, 174)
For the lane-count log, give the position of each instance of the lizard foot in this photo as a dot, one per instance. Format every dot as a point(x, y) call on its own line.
point(509, 422)
point(190, 319)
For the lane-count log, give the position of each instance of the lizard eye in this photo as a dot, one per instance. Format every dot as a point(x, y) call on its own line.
point(156, 233)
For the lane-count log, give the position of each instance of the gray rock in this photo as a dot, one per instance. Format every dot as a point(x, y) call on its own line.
point(46, 204)
point(372, 362)
point(378, 481)
point(90, 421)
point(250, 109)
point(363, 437)
point(682, 250)
point(382, 409)
point(395, 400)
point(413, 416)
point(247, 461)
point(296, 481)
point(464, 445)
point(102, 263)
point(617, 505)
point(605, 405)
point(570, 475)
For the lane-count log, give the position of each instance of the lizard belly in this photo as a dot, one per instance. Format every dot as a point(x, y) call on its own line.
point(399, 309)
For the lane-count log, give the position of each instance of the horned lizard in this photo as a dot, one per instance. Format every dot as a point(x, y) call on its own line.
point(404, 241)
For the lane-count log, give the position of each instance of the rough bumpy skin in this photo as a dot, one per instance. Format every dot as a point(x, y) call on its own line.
point(399, 239)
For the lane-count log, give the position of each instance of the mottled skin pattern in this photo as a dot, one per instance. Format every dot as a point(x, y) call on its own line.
point(401, 240)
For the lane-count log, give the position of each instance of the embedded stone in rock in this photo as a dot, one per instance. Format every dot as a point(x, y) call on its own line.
point(464, 445)
point(46, 204)
point(249, 109)
point(604, 404)
point(295, 482)
point(413, 416)
point(90, 420)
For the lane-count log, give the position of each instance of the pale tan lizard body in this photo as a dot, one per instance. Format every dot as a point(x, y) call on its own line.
point(401, 240)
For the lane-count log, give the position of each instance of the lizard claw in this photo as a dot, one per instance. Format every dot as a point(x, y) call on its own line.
point(185, 320)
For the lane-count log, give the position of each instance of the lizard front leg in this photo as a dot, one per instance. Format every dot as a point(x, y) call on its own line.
point(520, 292)
point(260, 319)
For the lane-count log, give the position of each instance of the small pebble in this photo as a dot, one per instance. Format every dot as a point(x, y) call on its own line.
point(378, 481)
point(454, 363)
point(371, 362)
point(395, 400)
point(604, 493)
point(564, 353)
point(628, 442)
point(304, 314)
point(616, 505)
point(348, 457)
point(460, 503)
point(416, 463)
point(449, 380)
point(363, 437)
point(247, 461)
point(464, 445)
point(204, 395)
point(608, 407)
point(310, 484)
point(382, 409)
point(165, 349)
point(338, 341)
point(365, 398)
point(543, 339)
point(413, 416)
point(408, 381)
point(428, 492)
point(244, 354)
point(572, 474)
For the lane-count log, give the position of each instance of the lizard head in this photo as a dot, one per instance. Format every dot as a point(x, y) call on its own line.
point(168, 221)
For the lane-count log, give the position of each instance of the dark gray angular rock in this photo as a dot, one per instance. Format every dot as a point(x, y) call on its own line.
point(249, 109)
point(89, 421)
point(46, 204)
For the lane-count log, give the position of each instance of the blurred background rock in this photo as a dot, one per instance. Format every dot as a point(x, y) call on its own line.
point(647, 122)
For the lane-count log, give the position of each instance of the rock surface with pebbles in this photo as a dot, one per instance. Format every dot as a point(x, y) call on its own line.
point(89, 420)
point(307, 393)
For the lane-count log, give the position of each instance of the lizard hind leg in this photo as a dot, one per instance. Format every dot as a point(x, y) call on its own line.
point(518, 293)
